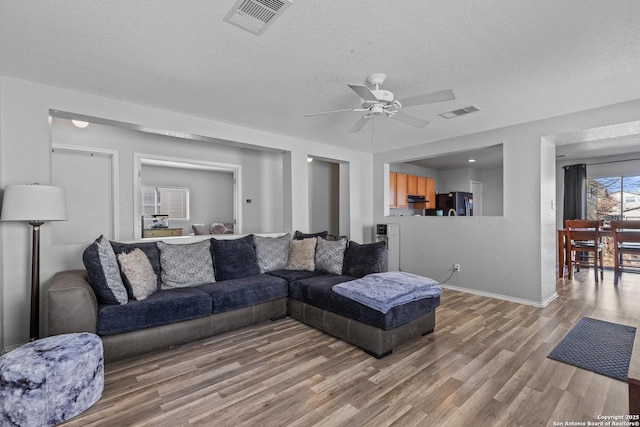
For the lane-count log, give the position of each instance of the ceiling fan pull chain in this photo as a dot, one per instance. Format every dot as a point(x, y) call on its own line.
point(373, 134)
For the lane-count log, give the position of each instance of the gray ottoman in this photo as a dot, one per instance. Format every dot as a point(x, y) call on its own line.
point(50, 380)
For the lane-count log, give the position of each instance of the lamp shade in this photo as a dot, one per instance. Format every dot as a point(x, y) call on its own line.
point(33, 202)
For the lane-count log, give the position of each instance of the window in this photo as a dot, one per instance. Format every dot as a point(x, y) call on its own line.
point(158, 200)
point(613, 198)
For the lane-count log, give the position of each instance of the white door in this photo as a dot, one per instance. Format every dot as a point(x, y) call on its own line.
point(476, 189)
point(87, 177)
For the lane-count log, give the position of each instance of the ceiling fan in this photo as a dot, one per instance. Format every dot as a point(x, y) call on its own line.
point(376, 102)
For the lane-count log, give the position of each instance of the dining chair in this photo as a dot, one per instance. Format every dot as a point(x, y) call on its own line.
point(626, 241)
point(584, 248)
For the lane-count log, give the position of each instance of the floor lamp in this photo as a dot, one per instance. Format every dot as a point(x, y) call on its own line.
point(35, 204)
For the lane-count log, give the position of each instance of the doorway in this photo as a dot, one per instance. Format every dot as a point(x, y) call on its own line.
point(328, 196)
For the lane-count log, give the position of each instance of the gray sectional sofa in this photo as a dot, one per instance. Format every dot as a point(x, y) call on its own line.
point(146, 296)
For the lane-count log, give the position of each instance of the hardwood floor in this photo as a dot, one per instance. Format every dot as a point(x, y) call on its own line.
point(485, 365)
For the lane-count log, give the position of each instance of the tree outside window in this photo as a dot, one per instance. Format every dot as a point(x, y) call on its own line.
point(613, 198)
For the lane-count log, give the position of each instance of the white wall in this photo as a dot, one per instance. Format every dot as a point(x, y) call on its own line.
point(324, 197)
point(262, 171)
point(25, 141)
point(489, 248)
point(492, 194)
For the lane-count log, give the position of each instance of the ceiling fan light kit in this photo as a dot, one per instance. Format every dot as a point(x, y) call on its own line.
point(377, 102)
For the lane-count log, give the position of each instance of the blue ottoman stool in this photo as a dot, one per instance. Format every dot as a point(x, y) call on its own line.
point(50, 380)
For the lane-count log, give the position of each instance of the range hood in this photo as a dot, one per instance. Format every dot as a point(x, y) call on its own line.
point(415, 199)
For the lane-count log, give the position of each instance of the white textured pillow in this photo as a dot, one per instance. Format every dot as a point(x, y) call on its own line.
point(302, 254)
point(184, 265)
point(272, 252)
point(138, 270)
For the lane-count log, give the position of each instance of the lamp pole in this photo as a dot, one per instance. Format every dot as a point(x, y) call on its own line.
point(34, 330)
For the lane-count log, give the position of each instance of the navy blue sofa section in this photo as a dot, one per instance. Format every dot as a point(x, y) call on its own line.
point(240, 296)
point(317, 291)
point(244, 292)
point(167, 306)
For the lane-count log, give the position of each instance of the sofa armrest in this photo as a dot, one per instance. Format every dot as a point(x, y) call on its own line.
point(72, 304)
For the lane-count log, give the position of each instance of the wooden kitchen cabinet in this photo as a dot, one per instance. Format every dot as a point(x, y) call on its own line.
point(429, 195)
point(398, 183)
point(421, 186)
point(402, 190)
point(392, 189)
point(412, 185)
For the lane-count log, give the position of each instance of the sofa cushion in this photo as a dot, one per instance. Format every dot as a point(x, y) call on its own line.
point(139, 273)
point(293, 275)
point(302, 254)
point(151, 251)
point(299, 235)
point(163, 307)
point(317, 291)
point(330, 255)
point(245, 291)
point(104, 273)
point(360, 260)
point(234, 258)
point(184, 265)
point(272, 252)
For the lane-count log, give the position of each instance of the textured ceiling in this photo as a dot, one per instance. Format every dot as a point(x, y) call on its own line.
point(517, 60)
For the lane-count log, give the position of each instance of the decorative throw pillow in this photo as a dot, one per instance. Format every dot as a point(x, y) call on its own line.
point(330, 255)
point(152, 252)
point(137, 268)
point(360, 260)
point(222, 228)
point(302, 254)
point(199, 229)
point(234, 258)
point(186, 265)
point(272, 252)
point(104, 272)
point(299, 235)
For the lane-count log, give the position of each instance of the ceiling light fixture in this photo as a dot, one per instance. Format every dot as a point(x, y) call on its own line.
point(80, 123)
point(472, 160)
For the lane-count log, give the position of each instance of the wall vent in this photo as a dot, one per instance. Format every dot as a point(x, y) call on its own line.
point(255, 16)
point(459, 112)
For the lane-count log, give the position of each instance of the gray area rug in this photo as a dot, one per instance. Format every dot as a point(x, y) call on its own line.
point(598, 346)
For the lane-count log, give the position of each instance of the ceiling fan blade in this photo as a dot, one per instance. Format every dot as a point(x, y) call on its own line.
point(410, 120)
point(334, 111)
point(364, 92)
point(360, 123)
point(428, 98)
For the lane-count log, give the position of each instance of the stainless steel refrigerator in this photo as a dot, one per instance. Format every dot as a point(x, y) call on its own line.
point(457, 203)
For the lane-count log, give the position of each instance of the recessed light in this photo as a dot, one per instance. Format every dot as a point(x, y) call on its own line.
point(309, 159)
point(472, 160)
point(80, 124)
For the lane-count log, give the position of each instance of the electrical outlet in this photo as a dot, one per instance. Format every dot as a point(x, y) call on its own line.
point(456, 267)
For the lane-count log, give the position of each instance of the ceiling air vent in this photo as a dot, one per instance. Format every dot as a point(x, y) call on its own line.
point(256, 15)
point(459, 112)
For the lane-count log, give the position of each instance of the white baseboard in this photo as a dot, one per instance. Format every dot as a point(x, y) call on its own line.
point(537, 304)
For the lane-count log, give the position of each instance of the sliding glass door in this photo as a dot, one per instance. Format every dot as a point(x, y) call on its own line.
point(613, 198)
